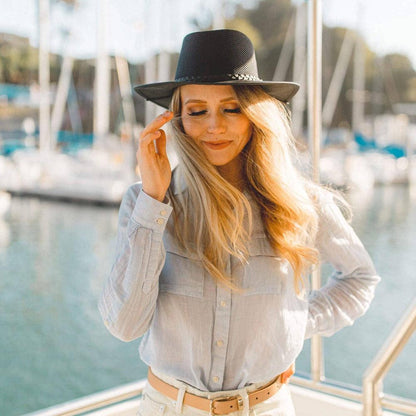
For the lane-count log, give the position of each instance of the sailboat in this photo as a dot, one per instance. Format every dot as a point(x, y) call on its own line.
point(99, 174)
point(5, 199)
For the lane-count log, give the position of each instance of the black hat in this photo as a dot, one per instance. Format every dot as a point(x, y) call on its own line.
point(216, 57)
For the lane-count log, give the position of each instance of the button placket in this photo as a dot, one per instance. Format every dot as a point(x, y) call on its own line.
point(220, 334)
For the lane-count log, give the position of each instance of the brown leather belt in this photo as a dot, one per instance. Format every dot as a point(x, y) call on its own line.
point(219, 406)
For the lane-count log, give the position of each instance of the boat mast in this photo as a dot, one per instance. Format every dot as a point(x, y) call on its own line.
point(338, 78)
point(298, 102)
point(44, 77)
point(286, 53)
point(102, 76)
point(126, 89)
point(358, 82)
point(150, 63)
point(61, 98)
point(163, 61)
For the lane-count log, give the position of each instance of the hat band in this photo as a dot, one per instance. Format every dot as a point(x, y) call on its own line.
point(223, 77)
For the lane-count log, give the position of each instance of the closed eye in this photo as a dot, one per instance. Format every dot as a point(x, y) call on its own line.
point(197, 113)
point(227, 110)
point(233, 110)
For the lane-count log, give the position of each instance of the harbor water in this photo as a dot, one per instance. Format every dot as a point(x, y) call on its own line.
point(54, 257)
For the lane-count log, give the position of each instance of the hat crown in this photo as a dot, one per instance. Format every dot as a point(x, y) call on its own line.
point(216, 55)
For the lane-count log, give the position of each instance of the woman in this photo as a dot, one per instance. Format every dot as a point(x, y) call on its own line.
point(212, 257)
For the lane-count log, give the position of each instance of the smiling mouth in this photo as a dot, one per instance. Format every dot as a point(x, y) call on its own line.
point(217, 145)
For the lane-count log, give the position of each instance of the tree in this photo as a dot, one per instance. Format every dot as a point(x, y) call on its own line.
point(389, 80)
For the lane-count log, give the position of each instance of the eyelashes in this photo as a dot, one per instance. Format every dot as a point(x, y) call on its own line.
point(197, 113)
point(233, 110)
point(227, 110)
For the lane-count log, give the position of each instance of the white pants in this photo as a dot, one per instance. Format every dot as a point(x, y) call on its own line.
point(155, 403)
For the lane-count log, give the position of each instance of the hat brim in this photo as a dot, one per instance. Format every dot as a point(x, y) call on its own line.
point(161, 92)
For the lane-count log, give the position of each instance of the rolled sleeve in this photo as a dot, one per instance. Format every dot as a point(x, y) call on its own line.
point(129, 296)
point(351, 287)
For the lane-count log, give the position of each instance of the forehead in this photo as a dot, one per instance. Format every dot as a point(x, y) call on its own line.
point(207, 93)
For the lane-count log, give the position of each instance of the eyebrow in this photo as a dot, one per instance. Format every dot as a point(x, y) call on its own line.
point(193, 100)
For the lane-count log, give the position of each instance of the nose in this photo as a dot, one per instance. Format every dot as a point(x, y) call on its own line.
point(216, 124)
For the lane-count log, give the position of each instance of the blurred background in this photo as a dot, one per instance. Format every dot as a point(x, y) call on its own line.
point(69, 124)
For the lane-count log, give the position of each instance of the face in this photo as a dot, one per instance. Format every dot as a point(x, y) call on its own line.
point(211, 116)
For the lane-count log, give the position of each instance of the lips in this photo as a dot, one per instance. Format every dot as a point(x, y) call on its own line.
point(217, 145)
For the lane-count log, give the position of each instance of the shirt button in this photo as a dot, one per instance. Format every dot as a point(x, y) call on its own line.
point(160, 221)
point(223, 303)
point(215, 379)
point(163, 212)
point(220, 343)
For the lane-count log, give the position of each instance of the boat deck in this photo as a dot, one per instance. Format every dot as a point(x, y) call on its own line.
point(307, 403)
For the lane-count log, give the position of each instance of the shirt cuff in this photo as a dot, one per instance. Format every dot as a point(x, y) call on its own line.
point(151, 213)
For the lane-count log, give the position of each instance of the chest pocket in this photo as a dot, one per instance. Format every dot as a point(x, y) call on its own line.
point(265, 273)
point(182, 273)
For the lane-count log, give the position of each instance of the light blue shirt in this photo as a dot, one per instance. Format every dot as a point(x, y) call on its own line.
point(200, 332)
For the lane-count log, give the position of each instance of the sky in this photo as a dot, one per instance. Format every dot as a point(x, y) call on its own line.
point(137, 27)
point(388, 26)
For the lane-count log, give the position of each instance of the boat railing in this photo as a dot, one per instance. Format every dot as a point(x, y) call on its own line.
point(129, 392)
point(371, 397)
point(94, 401)
point(373, 400)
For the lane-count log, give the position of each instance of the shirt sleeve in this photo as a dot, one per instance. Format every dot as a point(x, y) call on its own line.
point(129, 296)
point(350, 289)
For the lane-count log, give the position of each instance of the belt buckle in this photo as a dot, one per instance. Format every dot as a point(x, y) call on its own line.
point(240, 404)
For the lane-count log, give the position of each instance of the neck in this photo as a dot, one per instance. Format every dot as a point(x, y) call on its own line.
point(233, 173)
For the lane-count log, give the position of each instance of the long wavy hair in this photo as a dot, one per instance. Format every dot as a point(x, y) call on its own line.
point(209, 216)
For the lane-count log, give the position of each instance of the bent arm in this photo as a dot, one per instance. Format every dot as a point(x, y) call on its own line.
point(129, 296)
point(350, 289)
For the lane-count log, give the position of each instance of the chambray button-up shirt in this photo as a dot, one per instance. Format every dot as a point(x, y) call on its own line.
point(199, 331)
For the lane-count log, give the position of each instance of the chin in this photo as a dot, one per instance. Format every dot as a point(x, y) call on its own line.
point(219, 162)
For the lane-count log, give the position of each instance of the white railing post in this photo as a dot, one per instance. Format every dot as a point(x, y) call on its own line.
point(375, 373)
point(315, 131)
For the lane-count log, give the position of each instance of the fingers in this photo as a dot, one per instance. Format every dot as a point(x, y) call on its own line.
point(152, 133)
point(161, 144)
point(147, 140)
point(157, 123)
point(284, 377)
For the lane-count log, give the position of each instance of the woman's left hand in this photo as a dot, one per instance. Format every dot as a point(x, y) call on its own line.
point(284, 377)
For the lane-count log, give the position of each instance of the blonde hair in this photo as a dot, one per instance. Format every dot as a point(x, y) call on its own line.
point(216, 228)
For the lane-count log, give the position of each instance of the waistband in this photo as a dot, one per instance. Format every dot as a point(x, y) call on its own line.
point(209, 394)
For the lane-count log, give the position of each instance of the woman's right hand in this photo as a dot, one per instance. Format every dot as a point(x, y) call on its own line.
point(155, 170)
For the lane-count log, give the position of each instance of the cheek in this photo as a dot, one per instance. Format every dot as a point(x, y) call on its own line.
point(247, 133)
point(190, 127)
